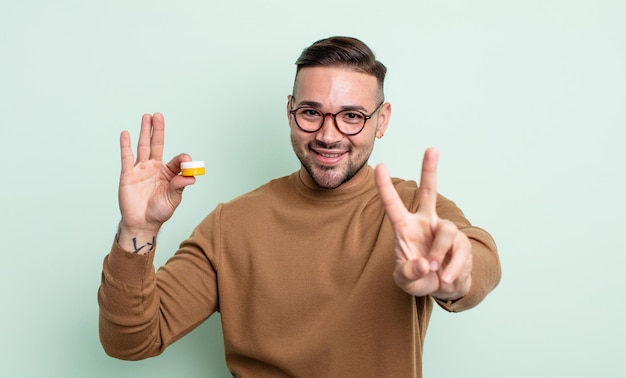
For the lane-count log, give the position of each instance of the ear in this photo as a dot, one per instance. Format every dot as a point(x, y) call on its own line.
point(384, 114)
point(288, 108)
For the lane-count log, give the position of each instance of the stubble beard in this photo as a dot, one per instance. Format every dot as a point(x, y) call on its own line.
point(331, 177)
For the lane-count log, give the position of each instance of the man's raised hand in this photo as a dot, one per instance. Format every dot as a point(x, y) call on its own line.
point(432, 256)
point(149, 190)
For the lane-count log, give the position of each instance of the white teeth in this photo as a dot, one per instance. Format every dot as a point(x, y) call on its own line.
point(330, 155)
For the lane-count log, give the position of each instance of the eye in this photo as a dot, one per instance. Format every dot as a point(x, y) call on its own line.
point(309, 113)
point(351, 117)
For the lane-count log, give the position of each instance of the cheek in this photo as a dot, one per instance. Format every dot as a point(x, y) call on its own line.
point(364, 140)
point(298, 136)
point(297, 140)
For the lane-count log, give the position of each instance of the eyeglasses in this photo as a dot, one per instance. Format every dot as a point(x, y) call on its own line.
point(349, 122)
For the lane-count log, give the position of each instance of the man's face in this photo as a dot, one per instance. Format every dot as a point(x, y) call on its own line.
point(329, 157)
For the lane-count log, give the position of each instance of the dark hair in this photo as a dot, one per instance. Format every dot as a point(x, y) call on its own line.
point(343, 52)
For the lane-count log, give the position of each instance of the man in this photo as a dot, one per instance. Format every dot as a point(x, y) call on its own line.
point(331, 271)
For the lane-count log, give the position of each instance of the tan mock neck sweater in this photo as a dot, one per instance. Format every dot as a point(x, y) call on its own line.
point(302, 279)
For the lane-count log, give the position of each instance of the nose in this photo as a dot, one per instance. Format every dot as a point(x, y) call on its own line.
point(329, 132)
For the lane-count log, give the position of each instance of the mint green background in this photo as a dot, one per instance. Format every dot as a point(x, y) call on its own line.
point(525, 100)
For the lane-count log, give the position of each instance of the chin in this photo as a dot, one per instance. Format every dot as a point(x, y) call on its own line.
point(329, 177)
point(326, 182)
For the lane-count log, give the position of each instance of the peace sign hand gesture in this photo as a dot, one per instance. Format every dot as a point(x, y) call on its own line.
point(432, 256)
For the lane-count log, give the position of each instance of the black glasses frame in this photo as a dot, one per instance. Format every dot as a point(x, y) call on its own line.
point(365, 118)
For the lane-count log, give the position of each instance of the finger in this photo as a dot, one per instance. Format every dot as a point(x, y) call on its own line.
point(444, 237)
point(174, 164)
point(395, 209)
point(158, 137)
point(409, 271)
point(414, 277)
point(178, 182)
point(428, 183)
point(126, 152)
point(143, 146)
point(460, 263)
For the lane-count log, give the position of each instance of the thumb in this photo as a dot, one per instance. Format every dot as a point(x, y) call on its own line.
point(175, 190)
point(174, 164)
point(415, 277)
point(178, 184)
point(411, 270)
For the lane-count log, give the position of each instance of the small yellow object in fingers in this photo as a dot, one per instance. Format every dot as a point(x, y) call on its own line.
point(192, 168)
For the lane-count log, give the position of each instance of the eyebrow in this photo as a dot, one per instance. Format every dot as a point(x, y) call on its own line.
point(317, 105)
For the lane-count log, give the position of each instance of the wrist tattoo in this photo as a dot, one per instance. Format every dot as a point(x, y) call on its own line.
point(136, 248)
point(150, 245)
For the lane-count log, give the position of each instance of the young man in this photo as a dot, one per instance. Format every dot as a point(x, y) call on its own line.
point(331, 271)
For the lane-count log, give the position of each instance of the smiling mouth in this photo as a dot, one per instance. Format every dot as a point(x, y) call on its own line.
point(328, 159)
point(327, 155)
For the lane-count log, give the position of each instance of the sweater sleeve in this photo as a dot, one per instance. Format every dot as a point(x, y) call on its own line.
point(128, 305)
point(486, 269)
point(142, 311)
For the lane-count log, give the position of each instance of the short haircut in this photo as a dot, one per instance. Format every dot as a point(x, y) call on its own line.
point(347, 52)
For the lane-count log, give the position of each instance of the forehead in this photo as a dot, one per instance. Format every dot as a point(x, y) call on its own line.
point(334, 84)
